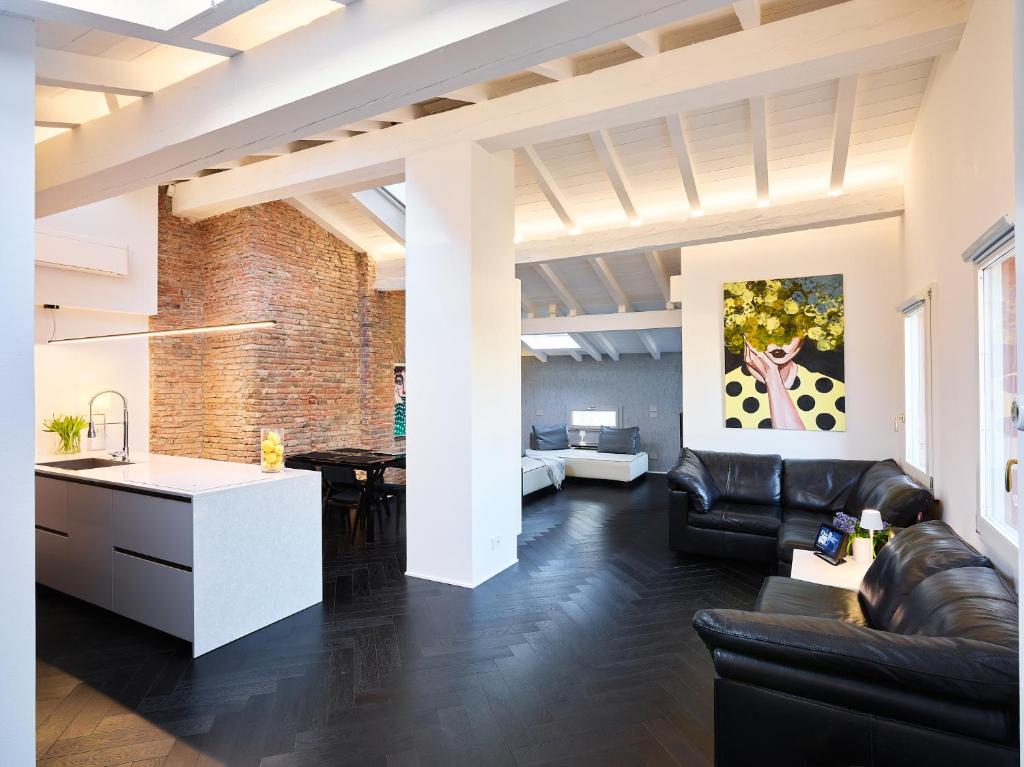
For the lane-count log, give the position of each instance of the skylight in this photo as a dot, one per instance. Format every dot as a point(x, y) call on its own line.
point(550, 342)
point(396, 191)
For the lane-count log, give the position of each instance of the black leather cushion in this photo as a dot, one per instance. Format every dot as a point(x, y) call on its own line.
point(798, 531)
point(691, 475)
point(787, 596)
point(625, 441)
point(553, 437)
point(745, 478)
point(885, 487)
point(739, 518)
point(903, 564)
point(819, 484)
point(969, 602)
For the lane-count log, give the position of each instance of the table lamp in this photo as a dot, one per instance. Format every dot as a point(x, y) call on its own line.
point(871, 520)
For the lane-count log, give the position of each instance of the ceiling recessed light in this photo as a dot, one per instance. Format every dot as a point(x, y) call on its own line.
point(696, 212)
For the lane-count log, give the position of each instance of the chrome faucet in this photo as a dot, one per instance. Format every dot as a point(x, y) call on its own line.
point(122, 454)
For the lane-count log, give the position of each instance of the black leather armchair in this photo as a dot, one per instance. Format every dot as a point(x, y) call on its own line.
point(761, 507)
point(919, 667)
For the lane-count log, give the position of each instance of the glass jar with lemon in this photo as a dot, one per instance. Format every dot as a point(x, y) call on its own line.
point(271, 450)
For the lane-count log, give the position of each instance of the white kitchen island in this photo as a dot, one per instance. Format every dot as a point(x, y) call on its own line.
point(207, 551)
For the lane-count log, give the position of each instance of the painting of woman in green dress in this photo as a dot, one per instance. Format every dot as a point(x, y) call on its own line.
point(399, 430)
point(784, 362)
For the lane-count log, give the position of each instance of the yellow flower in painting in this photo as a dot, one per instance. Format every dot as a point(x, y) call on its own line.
point(791, 307)
point(747, 296)
point(835, 328)
point(736, 288)
point(815, 334)
point(769, 323)
point(730, 303)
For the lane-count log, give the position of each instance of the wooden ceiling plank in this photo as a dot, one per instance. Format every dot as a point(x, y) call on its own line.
point(571, 303)
point(759, 143)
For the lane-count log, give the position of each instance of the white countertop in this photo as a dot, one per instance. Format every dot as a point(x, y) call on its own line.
point(167, 473)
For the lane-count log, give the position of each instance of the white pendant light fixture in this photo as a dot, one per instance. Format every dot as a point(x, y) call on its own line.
point(204, 329)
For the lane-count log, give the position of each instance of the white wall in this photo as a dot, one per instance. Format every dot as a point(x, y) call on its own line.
point(67, 375)
point(959, 181)
point(127, 220)
point(17, 515)
point(93, 304)
point(868, 256)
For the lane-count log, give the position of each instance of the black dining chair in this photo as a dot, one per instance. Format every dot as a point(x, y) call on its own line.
point(394, 490)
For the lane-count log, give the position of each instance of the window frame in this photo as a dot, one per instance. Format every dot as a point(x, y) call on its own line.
point(919, 302)
point(991, 532)
point(574, 428)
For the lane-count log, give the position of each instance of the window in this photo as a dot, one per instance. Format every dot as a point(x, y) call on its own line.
point(594, 418)
point(997, 307)
point(396, 192)
point(916, 382)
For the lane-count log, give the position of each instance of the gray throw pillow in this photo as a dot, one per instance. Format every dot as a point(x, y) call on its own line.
point(626, 441)
point(554, 437)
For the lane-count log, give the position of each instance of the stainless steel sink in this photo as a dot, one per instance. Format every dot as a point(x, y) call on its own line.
point(81, 464)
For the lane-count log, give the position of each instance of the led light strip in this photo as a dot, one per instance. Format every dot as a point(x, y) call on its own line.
point(180, 332)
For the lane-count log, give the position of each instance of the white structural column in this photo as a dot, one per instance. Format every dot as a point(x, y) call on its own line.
point(463, 351)
point(17, 514)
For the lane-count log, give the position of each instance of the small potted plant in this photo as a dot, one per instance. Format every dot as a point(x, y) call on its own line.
point(863, 543)
point(68, 429)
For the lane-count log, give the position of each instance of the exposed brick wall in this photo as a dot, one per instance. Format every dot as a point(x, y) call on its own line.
point(323, 374)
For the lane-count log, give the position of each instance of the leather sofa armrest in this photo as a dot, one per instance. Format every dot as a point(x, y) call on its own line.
point(960, 668)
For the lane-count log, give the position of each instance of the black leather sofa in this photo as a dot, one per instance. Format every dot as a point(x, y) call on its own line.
point(761, 507)
point(918, 668)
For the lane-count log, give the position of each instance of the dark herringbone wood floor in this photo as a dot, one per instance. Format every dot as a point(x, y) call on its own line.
point(581, 654)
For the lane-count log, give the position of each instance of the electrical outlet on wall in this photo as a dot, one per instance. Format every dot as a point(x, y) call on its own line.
point(540, 413)
point(653, 411)
point(495, 543)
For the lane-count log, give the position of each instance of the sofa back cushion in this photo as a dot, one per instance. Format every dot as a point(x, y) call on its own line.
point(968, 602)
point(744, 477)
point(884, 486)
point(554, 437)
point(821, 485)
point(906, 561)
point(691, 476)
point(625, 441)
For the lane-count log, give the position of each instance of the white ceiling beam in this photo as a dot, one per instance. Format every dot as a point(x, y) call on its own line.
point(645, 43)
point(846, 97)
point(565, 295)
point(218, 13)
point(852, 207)
point(383, 211)
point(364, 126)
point(610, 349)
point(548, 187)
point(656, 263)
point(529, 308)
point(650, 344)
point(402, 114)
point(63, 69)
point(584, 343)
point(610, 282)
point(327, 219)
point(472, 94)
point(748, 12)
point(601, 323)
point(759, 142)
point(559, 69)
point(791, 53)
point(612, 165)
point(315, 78)
point(576, 355)
point(677, 133)
point(44, 10)
point(542, 356)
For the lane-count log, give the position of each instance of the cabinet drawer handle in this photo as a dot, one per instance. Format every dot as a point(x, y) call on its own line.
point(51, 531)
point(154, 560)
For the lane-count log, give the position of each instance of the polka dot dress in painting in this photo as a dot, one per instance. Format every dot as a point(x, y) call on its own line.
point(819, 399)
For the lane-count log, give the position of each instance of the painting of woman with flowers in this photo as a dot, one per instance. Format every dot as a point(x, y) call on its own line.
point(784, 365)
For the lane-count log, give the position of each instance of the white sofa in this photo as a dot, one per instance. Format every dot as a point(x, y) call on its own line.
point(535, 476)
point(584, 464)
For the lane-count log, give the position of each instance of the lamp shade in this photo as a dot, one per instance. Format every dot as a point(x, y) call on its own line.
point(871, 519)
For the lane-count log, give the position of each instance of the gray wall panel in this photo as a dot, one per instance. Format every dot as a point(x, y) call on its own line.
point(634, 383)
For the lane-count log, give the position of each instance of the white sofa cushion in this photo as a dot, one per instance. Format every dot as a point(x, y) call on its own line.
point(590, 464)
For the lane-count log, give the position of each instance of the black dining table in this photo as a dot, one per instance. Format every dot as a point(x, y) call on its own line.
point(373, 462)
